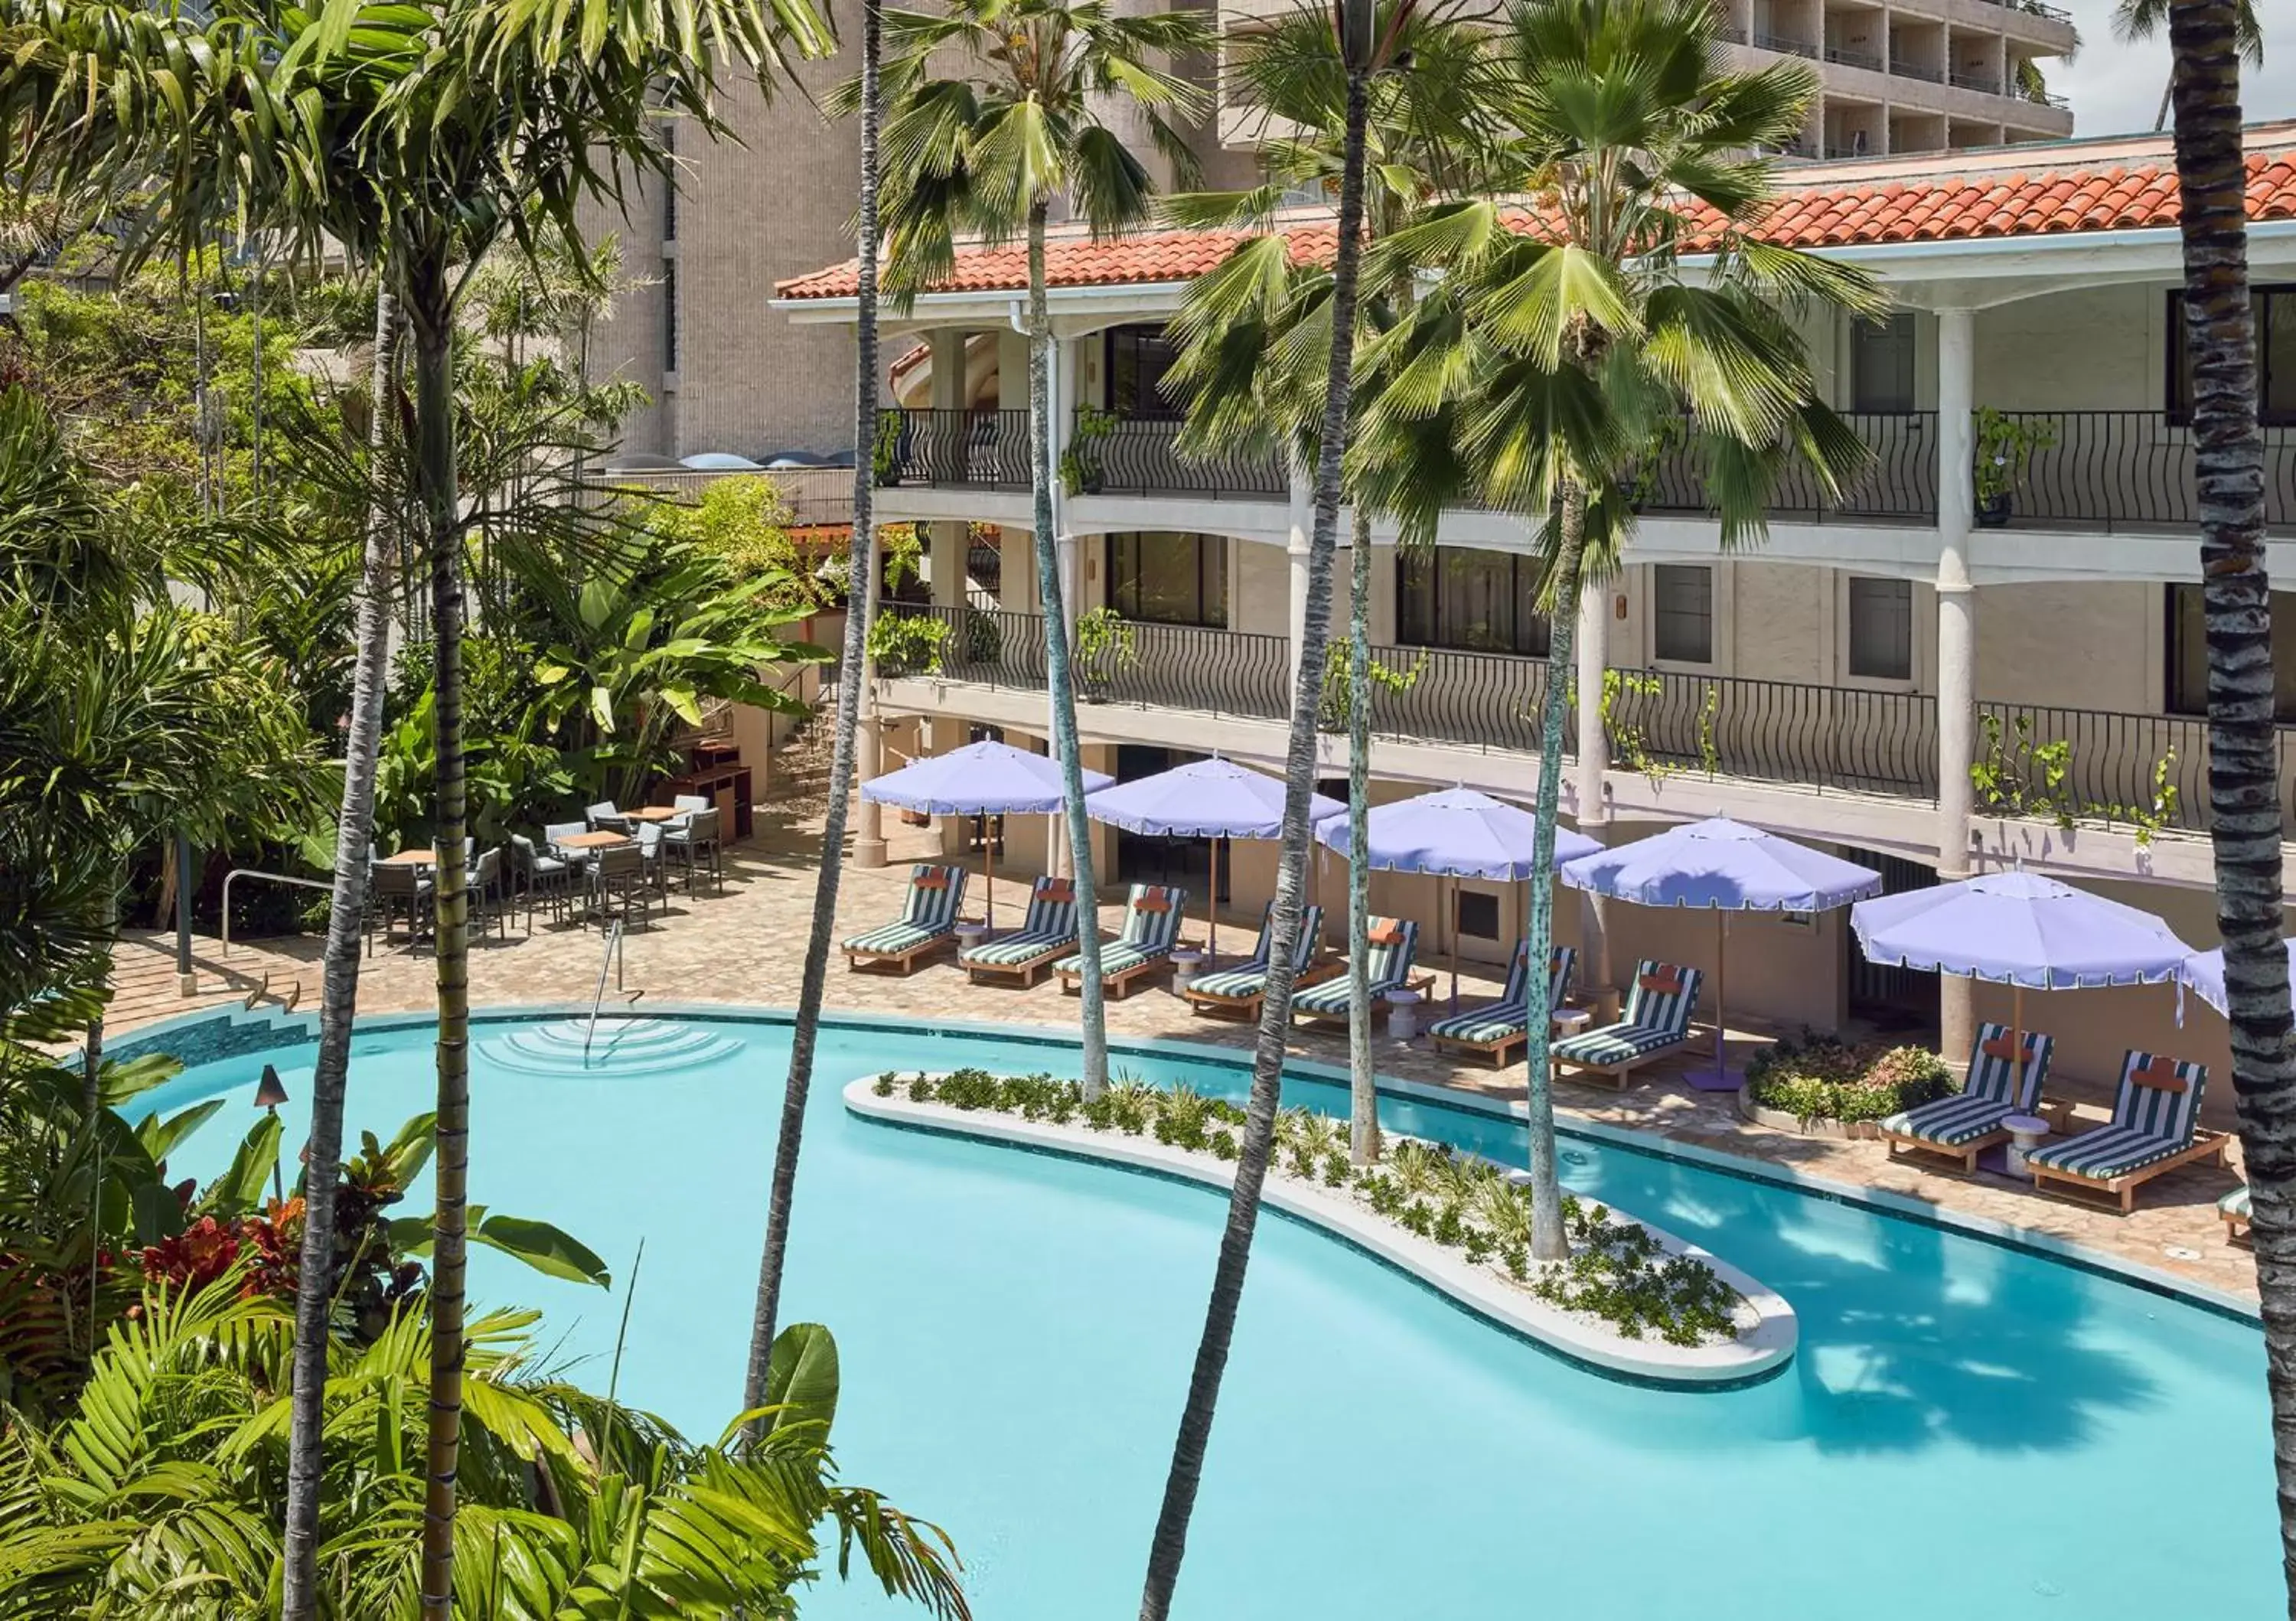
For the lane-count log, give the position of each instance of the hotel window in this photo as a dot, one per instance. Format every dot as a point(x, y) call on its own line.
point(670, 315)
point(1168, 580)
point(1475, 914)
point(2276, 355)
point(1468, 598)
point(1882, 628)
point(1682, 613)
point(669, 184)
point(2188, 654)
point(1137, 358)
point(1882, 366)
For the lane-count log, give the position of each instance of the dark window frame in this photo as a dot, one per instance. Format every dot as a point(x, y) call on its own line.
point(1206, 573)
point(2272, 301)
point(1523, 643)
point(669, 314)
point(1850, 627)
point(1123, 349)
point(1658, 616)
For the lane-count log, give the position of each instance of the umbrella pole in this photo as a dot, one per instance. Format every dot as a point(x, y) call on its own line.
point(2016, 1040)
point(1211, 908)
point(988, 861)
point(1454, 945)
point(1721, 987)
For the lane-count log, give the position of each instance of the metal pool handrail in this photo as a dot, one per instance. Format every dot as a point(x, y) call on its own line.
point(612, 959)
point(276, 877)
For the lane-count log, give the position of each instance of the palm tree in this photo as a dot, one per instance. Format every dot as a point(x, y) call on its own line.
point(2141, 19)
point(2206, 38)
point(1360, 48)
point(860, 604)
point(1549, 366)
point(1252, 332)
point(416, 137)
point(989, 149)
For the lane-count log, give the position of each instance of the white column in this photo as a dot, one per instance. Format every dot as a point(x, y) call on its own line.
point(1956, 694)
point(1295, 552)
point(869, 835)
point(947, 394)
point(1592, 650)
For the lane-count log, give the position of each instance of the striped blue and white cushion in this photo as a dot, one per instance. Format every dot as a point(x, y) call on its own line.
point(892, 939)
point(1950, 1122)
point(1023, 946)
point(1147, 936)
point(1655, 1020)
point(2234, 1203)
point(1493, 1022)
point(1615, 1044)
point(1243, 980)
point(934, 909)
point(2148, 1122)
point(2106, 1152)
point(1389, 970)
point(1558, 983)
point(1249, 979)
point(1989, 1073)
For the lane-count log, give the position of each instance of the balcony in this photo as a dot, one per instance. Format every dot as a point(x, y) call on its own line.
point(1785, 45)
point(953, 449)
point(1850, 57)
point(1914, 70)
point(1987, 84)
point(1899, 485)
point(2126, 470)
point(1141, 456)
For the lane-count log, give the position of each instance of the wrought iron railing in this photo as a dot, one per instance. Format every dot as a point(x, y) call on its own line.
point(1141, 455)
point(2121, 469)
point(982, 646)
point(2040, 95)
point(2148, 772)
point(963, 449)
point(1669, 723)
point(1187, 666)
point(1914, 70)
point(1989, 83)
point(1849, 56)
point(1786, 44)
point(1899, 481)
point(1486, 701)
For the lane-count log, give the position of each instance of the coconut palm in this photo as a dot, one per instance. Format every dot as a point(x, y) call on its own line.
point(860, 604)
point(2207, 38)
point(1550, 365)
point(2141, 19)
point(997, 110)
point(1364, 50)
point(417, 137)
point(1253, 333)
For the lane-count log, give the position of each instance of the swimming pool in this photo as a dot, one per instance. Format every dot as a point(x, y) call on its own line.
point(1966, 1428)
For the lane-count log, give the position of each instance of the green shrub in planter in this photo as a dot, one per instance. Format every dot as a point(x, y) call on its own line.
point(1818, 1078)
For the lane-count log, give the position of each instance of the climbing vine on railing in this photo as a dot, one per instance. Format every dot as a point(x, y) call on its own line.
point(1334, 712)
point(907, 644)
point(2016, 775)
point(1630, 745)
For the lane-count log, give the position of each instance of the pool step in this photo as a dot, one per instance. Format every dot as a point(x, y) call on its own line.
point(622, 1046)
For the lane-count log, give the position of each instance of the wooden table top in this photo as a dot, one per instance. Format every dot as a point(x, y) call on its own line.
point(411, 858)
point(593, 842)
point(654, 813)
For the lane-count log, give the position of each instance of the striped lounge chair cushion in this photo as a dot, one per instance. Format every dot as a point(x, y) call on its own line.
point(929, 912)
point(2154, 1113)
point(1950, 1122)
point(893, 938)
point(1616, 1043)
point(1483, 1026)
point(1244, 979)
point(1657, 1017)
point(1249, 977)
point(1021, 946)
point(2234, 1203)
point(1394, 950)
point(1152, 924)
point(1990, 1068)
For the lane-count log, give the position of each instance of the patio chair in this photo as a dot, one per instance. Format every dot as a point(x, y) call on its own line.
point(1141, 948)
point(2155, 1128)
point(2233, 1210)
point(1240, 989)
point(1046, 934)
point(690, 802)
point(1656, 1020)
point(1393, 966)
point(482, 883)
point(619, 874)
point(606, 817)
point(928, 922)
point(1496, 1028)
point(393, 888)
point(1965, 1125)
point(697, 839)
point(536, 877)
point(654, 840)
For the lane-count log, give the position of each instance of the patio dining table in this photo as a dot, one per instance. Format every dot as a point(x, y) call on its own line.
point(593, 842)
point(411, 858)
point(656, 813)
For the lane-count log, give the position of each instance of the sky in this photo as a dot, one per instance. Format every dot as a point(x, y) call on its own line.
point(2116, 88)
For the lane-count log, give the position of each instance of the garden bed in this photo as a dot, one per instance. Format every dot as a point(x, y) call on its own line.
point(1822, 1087)
point(1632, 1300)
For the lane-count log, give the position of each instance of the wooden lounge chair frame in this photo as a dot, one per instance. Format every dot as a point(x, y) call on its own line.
point(2204, 1145)
point(1906, 1142)
point(1495, 1051)
point(2235, 1224)
point(1247, 1007)
point(1118, 985)
point(1421, 980)
point(1619, 1071)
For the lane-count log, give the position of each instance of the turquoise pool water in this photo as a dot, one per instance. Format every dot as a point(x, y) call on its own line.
point(1967, 1430)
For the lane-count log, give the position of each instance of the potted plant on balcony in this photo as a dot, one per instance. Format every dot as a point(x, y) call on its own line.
point(1103, 646)
point(2003, 445)
point(906, 643)
point(1080, 469)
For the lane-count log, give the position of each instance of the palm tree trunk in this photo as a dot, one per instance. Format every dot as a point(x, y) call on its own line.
point(2243, 781)
point(1170, 1544)
point(1548, 1241)
point(431, 313)
point(1060, 678)
point(860, 600)
point(1363, 1084)
point(339, 1002)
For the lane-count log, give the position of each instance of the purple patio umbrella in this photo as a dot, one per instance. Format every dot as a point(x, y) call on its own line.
point(2203, 972)
point(2020, 930)
point(1723, 866)
point(980, 780)
point(1212, 798)
point(1455, 833)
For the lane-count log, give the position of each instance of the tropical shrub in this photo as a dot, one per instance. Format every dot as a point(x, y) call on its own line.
point(1819, 1077)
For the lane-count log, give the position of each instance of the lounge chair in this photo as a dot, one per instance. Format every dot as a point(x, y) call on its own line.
point(1965, 1125)
point(2233, 1209)
point(1656, 1020)
point(1046, 934)
point(1495, 1028)
point(1152, 928)
point(2155, 1128)
point(928, 922)
point(1241, 989)
point(1394, 952)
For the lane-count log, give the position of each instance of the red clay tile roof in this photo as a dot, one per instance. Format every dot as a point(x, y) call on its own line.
point(1950, 208)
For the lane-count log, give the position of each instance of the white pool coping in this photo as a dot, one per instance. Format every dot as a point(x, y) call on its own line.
point(1765, 1343)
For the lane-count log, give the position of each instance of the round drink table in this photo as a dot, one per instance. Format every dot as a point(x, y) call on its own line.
point(2025, 1135)
point(1403, 1015)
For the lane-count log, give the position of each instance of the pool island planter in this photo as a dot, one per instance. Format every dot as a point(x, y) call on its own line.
point(1767, 1332)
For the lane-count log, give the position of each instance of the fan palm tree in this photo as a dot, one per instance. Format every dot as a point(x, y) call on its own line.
point(2142, 19)
point(2206, 38)
point(1365, 51)
point(1550, 364)
point(996, 112)
point(1253, 333)
point(415, 137)
point(860, 604)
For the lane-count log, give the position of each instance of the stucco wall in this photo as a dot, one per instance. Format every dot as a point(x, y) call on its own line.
point(1260, 589)
point(2091, 646)
point(2100, 348)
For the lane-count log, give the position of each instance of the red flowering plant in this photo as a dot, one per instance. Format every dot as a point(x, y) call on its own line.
point(270, 1242)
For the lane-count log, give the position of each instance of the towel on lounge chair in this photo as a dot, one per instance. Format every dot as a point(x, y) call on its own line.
point(927, 914)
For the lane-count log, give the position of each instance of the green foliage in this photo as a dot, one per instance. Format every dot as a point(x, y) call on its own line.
point(2015, 774)
point(2005, 443)
point(1616, 1272)
point(1333, 711)
point(1080, 469)
point(743, 524)
point(906, 643)
point(1818, 1078)
point(1103, 645)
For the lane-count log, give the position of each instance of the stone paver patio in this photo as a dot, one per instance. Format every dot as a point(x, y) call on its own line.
point(745, 947)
